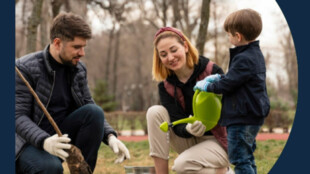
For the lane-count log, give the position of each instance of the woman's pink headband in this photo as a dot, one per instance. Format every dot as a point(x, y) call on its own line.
point(169, 29)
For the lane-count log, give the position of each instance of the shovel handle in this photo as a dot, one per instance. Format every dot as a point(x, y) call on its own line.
point(49, 117)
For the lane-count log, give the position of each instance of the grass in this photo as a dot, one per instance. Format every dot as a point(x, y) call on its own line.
point(266, 155)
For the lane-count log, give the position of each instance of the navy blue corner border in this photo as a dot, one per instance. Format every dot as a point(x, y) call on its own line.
point(295, 156)
point(7, 87)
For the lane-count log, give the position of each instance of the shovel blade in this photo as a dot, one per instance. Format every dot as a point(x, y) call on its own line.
point(76, 162)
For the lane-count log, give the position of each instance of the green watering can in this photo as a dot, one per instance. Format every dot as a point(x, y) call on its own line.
point(206, 108)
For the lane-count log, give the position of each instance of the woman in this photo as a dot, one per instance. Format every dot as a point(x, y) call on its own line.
point(178, 66)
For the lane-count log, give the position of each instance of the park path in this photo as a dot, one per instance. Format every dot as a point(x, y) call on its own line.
point(260, 137)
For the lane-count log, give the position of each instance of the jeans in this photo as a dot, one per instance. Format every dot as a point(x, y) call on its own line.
point(85, 128)
point(241, 146)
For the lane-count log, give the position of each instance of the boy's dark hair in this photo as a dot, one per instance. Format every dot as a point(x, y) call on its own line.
point(66, 26)
point(246, 21)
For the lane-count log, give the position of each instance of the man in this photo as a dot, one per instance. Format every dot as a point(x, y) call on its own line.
point(60, 80)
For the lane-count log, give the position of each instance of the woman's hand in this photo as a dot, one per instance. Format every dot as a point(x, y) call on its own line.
point(197, 128)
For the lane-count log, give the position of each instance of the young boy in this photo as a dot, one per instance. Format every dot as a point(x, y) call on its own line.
point(245, 103)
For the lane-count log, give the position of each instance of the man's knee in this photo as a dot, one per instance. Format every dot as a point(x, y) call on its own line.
point(95, 111)
point(48, 166)
point(54, 166)
point(33, 160)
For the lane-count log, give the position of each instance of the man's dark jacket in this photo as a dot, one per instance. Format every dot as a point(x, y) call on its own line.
point(245, 99)
point(28, 115)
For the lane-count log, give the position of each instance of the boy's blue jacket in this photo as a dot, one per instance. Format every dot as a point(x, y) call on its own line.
point(245, 99)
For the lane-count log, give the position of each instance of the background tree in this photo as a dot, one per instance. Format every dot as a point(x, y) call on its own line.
point(120, 51)
point(290, 65)
point(203, 27)
point(33, 23)
point(217, 43)
point(102, 97)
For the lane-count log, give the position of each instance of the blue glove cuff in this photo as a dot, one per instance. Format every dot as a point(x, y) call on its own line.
point(206, 86)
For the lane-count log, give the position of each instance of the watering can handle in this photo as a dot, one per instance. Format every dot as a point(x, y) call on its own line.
point(185, 120)
point(189, 119)
point(194, 99)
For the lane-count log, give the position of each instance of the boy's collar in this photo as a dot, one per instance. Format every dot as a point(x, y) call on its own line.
point(238, 49)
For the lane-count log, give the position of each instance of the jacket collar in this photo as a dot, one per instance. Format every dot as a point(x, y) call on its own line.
point(47, 63)
point(239, 49)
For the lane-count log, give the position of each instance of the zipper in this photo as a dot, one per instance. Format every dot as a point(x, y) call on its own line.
point(22, 149)
point(49, 99)
point(75, 97)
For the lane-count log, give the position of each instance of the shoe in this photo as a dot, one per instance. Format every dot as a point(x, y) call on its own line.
point(230, 171)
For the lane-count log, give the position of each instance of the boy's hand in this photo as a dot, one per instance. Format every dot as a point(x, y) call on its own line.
point(213, 78)
point(202, 85)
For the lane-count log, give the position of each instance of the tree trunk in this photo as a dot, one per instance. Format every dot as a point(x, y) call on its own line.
point(20, 45)
point(216, 34)
point(56, 4)
point(164, 11)
point(34, 21)
point(139, 100)
point(78, 7)
point(116, 54)
point(44, 32)
point(108, 58)
point(176, 12)
point(202, 34)
point(291, 65)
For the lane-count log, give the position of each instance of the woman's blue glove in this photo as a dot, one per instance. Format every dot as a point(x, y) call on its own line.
point(202, 85)
point(212, 78)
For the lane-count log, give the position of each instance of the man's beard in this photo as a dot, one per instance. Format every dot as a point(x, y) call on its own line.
point(67, 62)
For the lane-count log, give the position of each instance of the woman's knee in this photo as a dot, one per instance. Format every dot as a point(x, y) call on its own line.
point(155, 112)
point(179, 165)
point(184, 166)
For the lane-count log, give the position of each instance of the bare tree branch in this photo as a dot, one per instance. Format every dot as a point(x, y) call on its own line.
point(144, 13)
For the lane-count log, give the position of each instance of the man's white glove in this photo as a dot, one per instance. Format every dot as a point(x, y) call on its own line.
point(118, 148)
point(55, 145)
point(197, 128)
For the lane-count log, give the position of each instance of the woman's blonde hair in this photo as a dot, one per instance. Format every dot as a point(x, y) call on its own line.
point(159, 71)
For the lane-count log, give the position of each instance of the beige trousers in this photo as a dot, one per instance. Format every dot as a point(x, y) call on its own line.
point(196, 155)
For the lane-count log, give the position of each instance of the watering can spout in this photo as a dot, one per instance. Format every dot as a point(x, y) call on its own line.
point(206, 108)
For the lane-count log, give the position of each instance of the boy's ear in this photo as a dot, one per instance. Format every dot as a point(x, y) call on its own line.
point(239, 36)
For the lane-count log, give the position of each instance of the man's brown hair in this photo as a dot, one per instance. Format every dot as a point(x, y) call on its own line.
point(66, 26)
point(246, 22)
